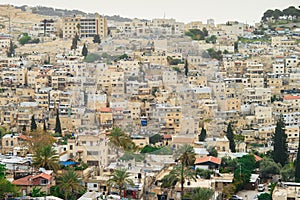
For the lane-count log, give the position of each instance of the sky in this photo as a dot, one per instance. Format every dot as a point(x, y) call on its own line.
point(247, 11)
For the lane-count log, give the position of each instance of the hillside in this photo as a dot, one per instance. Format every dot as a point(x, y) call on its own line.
point(49, 11)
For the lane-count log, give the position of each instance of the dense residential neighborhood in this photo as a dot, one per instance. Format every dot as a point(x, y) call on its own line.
point(96, 107)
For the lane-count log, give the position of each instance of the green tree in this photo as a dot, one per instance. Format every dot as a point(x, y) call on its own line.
point(119, 139)
point(230, 137)
point(149, 149)
point(36, 192)
point(120, 179)
point(44, 126)
point(268, 167)
point(57, 128)
point(46, 157)
point(267, 15)
point(277, 13)
point(11, 49)
point(2, 171)
point(205, 32)
point(91, 57)
point(84, 50)
point(6, 187)
point(204, 173)
point(186, 67)
point(265, 196)
point(33, 125)
point(178, 173)
point(201, 193)
point(155, 139)
point(297, 163)
point(24, 39)
point(24, 128)
point(236, 47)
point(169, 181)
point(202, 135)
point(212, 151)
point(243, 170)
point(280, 153)
point(39, 139)
point(186, 155)
point(228, 164)
point(212, 39)
point(215, 54)
point(287, 173)
point(74, 42)
point(69, 185)
point(291, 12)
point(97, 39)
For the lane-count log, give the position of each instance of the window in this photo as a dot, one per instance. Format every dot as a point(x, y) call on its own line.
point(44, 182)
point(71, 147)
point(11, 143)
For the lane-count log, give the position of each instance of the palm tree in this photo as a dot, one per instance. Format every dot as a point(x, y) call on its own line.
point(46, 157)
point(178, 173)
point(120, 179)
point(121, 140)
point(69, 185)
point(186, 155)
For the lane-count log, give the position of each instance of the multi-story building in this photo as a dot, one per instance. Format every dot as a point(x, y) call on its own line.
point(13, 76)
point(46, 27)
point(289, 109)
point(90, 148)
point(260, 96)
point(85, 26)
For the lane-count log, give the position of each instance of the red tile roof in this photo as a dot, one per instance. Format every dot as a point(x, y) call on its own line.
point(183, 140)
point(23, 137)
point(208, 159)
point(105, 110)
point(291, 97)
point(167, 136)
point(43, 175)
point(257, 158)
point(27, 180)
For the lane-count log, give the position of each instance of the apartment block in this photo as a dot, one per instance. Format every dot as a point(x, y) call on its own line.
point(84, 26)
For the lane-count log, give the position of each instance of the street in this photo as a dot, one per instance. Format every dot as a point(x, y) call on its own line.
point(247, 194)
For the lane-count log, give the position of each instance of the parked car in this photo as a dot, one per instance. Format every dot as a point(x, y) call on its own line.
point(236, 197)
point(261, 188)
point(269, 187)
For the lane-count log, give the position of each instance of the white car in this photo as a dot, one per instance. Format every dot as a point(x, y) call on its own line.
point(261, 188)
point(236, 197)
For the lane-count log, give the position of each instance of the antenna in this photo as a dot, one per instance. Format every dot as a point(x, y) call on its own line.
point(164, 15)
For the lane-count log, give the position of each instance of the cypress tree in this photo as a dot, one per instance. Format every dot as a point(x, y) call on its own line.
point(297, 164)
point(97, 39)
point(202, 135)
point(84, 51)
point(24, 128)
point(74, 42)
point(57, 124)
point(33, 125)
point(44, 127)
point(186, 67)
point(229, 135)
point(280, 152)
point(11, 50)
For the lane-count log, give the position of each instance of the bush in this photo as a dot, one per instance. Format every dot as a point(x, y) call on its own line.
point(91, 57)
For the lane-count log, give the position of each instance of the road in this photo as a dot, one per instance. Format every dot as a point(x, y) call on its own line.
point(247, 194)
